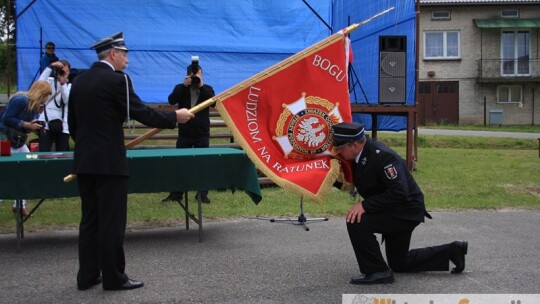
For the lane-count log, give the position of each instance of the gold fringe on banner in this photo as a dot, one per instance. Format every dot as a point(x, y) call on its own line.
point(325, 187)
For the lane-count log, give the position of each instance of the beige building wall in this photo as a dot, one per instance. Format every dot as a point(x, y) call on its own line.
point(476, 44)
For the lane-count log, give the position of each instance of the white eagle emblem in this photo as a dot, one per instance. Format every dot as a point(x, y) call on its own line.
point(310, 132)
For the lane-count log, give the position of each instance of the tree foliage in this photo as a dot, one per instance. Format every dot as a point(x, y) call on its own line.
point(7, 20)
point(7, 38)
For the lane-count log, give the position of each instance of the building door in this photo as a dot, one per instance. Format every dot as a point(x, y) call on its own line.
point(438, 102)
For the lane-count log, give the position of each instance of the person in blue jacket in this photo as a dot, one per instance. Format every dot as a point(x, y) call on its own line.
point(21, 114)
point(49, 56)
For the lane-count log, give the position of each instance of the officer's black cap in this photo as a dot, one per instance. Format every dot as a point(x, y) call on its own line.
point(346, 132)
point(115, 41)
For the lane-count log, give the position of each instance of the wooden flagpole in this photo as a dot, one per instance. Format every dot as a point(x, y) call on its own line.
point(264, 74)
point(256, 78)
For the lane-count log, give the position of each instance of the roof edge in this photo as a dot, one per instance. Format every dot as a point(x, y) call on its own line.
point(476, 2)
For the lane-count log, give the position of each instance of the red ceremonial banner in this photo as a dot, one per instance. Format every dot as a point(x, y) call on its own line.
point(282, 117)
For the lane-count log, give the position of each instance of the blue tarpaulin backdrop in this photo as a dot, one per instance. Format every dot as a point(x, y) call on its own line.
point(234, 39)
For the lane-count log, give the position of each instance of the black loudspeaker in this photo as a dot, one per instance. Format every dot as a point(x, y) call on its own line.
point(392, 69)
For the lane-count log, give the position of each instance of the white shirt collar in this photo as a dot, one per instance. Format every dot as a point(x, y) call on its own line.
point(108, 63)
point(357, 158)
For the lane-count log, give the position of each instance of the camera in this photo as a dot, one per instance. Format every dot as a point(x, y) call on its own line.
point(41, 131)
point(194, 68)
point(195, 81)
point(60, 72)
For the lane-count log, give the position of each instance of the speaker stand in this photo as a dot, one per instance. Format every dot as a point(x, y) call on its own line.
point(302, 219)
point(353, 83)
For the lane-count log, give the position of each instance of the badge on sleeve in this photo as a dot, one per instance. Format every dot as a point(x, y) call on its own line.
point(390, 171)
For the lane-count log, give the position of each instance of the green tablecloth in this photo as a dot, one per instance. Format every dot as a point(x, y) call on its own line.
point(151, 170)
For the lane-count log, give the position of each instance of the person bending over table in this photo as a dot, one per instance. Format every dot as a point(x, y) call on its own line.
point(392, 205)
point(101, 101)
point(21, 113)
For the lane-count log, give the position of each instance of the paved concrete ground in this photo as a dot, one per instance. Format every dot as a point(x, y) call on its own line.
point(256, 261)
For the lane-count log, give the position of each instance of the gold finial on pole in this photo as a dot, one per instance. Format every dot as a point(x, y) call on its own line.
point(353, 27)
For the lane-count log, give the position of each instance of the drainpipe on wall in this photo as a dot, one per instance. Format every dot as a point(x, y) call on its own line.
point(485, 111)
point(532, 105)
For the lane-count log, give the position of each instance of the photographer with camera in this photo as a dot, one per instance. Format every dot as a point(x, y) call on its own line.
point(55, 115)
point(196, 132)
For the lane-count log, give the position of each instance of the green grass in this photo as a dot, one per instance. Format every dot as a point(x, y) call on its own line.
point(460, 142)
point(479, 179)
point(454, 173)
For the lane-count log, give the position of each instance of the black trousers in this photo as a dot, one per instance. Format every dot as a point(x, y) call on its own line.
point(102, 229)
point(396, 234)
point(46, 140)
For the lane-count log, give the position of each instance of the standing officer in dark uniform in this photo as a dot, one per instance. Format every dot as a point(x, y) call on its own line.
point(393, 206)
point(101, 101)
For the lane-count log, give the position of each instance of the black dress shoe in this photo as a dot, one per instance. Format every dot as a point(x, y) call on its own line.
point(458, 250)
point(129, 284)
point(85, 287)
point(383, 277)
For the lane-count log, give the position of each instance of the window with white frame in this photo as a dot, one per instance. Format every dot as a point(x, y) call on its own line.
point(509, 94)
point(440, 15)
point(441, 45)
point(510, 13)
point(515, 49)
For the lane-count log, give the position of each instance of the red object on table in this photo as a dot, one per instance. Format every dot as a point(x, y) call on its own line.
point(34, 147)
point(5, 148)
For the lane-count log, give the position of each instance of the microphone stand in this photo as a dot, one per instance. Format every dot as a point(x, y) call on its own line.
point(302, 219)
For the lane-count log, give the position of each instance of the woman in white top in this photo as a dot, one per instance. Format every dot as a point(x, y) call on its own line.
point(55, 116)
